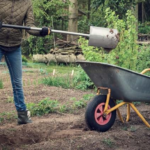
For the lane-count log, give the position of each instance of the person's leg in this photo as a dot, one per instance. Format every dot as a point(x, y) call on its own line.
point(14, 63)
point(1, 54)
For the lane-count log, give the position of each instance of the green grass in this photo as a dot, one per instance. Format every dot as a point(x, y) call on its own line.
point(47, 106)
point(7, 116)
point(60, 69)
point(64, 82)
point(1, 84)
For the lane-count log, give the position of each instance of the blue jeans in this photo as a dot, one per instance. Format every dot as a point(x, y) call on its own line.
point(14, 63)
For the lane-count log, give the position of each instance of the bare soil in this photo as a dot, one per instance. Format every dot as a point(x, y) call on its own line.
point(66, 131)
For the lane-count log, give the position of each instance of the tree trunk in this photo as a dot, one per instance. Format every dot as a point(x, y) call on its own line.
point(136, 10)
point(143, 12)
point(136, 15)
point(73, 19)
point(89, 8)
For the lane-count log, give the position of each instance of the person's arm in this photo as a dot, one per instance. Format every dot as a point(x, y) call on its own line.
point(29, 21)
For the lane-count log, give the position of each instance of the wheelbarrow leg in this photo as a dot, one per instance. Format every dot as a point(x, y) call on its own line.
point(128, 115)
point(139, 114)
point(107, 102)
point(106, 106)
point(128, 112)
point(119, 115)
point(107, 111)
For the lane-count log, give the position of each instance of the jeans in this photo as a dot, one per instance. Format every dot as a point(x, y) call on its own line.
point(14, 63)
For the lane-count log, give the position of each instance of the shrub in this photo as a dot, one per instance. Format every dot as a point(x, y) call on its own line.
point(45, 106)
point(24, 59)
point(125, 54)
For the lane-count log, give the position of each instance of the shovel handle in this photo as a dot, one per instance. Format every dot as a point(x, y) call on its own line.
point(20, 27)
point(39, 29)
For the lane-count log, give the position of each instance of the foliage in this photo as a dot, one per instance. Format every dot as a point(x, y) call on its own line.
point(144, 28)
point(82, 81)
point(125, 54)
point(45, 106)
point(7, 116)
point(58, 81)
point(10, 99)
point(119, 6)
point(108, 142)
point(1, 84)
point(92, 53)
point(47, 13)
point(55, 14)
point(143, 59)
point(24, 59)
point(79, 81)
point(82, 102)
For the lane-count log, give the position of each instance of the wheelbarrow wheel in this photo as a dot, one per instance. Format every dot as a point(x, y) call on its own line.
point(94, 116)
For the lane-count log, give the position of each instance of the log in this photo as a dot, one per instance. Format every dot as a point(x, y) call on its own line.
point(57, 58)
point(50, 58)
point(80, 57)
point(38, 58)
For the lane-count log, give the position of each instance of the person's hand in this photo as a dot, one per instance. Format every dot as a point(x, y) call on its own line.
point(45, 31)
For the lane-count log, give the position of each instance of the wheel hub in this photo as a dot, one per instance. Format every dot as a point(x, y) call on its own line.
point(100, 117)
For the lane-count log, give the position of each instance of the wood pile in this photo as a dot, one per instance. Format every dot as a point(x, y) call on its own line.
point(65, 52)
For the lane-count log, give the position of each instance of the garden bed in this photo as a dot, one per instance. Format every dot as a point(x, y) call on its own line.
point(64, 129)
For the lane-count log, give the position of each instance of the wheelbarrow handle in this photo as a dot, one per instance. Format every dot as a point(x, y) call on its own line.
point(39, 29)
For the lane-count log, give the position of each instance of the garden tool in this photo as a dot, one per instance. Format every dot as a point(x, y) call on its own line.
point(98, 37)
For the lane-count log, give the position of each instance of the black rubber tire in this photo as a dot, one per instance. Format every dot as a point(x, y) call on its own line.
point(90, 114)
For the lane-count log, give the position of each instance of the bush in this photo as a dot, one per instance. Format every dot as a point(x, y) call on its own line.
point(82, 80)
point(143, 60)
point(24, 59)
point(45, 106)
point(125, 54)
point(145, 29)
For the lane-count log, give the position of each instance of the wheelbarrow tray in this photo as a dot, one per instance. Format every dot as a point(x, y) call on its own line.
point(125, 84)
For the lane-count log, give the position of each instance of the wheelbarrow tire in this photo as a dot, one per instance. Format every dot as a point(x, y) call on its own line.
point(91, 110)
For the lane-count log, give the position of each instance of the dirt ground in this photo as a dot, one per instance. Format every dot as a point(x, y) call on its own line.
point(66, 131)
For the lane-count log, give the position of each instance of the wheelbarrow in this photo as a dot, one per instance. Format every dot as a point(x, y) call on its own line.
point(114, 83)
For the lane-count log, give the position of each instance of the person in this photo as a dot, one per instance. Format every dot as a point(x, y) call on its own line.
point(17, 12)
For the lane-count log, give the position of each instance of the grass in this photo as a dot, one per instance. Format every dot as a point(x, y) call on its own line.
point(58, 81)
point(133, 128)
point(61, 69)
point(7, 116)
point(1, 84)
point(108, 142)
point(47, 106)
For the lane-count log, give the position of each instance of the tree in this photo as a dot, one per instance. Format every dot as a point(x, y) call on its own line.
point(119, 6)
point(73, 19)
point(46, 13)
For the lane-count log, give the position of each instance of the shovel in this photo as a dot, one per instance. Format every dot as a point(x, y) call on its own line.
point(98, 37)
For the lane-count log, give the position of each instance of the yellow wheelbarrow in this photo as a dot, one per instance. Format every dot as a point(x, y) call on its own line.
point(114, 83)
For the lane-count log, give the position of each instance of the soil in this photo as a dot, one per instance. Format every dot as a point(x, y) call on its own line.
point(66, 131)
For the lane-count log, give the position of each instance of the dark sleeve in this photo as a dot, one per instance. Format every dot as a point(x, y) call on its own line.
point(29, 21)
